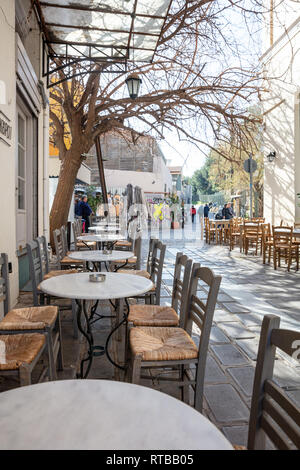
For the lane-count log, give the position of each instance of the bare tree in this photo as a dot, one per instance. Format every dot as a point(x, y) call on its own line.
point(197, 86)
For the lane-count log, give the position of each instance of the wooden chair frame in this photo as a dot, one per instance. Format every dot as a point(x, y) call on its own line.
point(273, 413)
point(202, 315)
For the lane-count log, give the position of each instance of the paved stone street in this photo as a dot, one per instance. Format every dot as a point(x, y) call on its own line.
point(248, 291)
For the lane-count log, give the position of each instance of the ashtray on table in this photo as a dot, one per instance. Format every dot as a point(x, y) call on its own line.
point(97, 277)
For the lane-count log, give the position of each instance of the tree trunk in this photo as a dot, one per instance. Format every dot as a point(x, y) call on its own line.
point(64, 192)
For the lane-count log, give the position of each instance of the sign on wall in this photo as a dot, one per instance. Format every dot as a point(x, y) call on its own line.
point(5, 129)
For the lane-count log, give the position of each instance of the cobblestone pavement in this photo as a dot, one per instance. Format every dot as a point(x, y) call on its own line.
point(248, 291)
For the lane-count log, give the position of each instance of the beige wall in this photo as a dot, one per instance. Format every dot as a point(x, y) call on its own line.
point(282, 127)
point(7, 154)
point(8, 63)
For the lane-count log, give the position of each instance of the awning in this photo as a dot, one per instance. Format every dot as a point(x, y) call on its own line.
point(118, 30)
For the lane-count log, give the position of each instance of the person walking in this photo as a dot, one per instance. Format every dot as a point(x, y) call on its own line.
point(193, 213)
point(206, 210)
point(85, 211)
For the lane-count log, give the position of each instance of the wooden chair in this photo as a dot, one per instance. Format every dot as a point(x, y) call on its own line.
point(133, 263)
point(143, 272)
point(273, 413)
point(234, 233)
point(44, 321)
point(77, 232)
point(283, 245)
point(157, 315)
point(251, 236)
point(267, 242)
point(63, 259)
point(174, 348)
point(39, 271)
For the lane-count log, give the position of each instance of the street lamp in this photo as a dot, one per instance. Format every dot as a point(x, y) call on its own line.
point(271, 156)
point(133, 83)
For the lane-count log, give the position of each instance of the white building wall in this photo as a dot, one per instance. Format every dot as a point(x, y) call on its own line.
point(282, 124)
point(29, 66)
point(7, 153)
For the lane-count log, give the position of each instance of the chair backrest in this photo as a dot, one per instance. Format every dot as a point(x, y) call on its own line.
point(200, 312)
point(157, 264)
point(4, 283)
point(266, 232)
point(273, 413)
point(150, 253)
point(43, 247)
point(59, 245)
point(182, 273)
point(137, 248)
point(35, 268)
point(77, 230)
point(64, 237)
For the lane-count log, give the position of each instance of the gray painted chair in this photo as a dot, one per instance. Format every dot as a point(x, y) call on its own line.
point(174, 348)
point(157, 315)
point(63, 259)
point(156, 269)
point(42, 321)
point(273, 413)
point(77, 232)
point(37, 252)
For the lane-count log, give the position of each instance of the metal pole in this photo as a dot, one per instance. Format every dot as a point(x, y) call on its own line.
point(101, 170)
point(251, 186)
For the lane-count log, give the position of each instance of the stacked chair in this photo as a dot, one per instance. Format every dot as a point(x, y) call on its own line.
point(26, 335)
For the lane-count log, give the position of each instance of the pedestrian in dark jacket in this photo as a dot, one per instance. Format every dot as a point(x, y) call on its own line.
point(206, 210)
point(85, 212)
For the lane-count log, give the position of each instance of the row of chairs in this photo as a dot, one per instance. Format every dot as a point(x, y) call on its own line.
point(161, 337)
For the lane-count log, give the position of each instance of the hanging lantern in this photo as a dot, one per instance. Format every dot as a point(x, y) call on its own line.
point(133, 83)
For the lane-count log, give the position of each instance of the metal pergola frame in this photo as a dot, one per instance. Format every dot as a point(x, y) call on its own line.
point(113, 57)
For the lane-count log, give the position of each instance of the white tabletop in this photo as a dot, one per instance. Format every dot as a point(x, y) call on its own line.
point(103, 229)
point(101, 414)
point(98, 255)
point(78, 286)
point(109, 237)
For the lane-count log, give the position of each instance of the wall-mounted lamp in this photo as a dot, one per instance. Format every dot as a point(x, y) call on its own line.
point(271, 156)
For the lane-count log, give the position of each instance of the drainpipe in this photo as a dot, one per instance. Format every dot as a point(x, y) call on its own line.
point(45, 102)
point(45, 174)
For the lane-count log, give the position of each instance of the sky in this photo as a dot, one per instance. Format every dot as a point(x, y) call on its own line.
point(248, 39)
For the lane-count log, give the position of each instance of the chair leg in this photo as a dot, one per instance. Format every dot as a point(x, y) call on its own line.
point(25, 374)
point(136, 369)
point(52, 371)
point(74, 318)
point(60, 358)
point(185, 392)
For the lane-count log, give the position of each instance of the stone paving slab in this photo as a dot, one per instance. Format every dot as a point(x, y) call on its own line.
point(236, 331)
point(224, 394)
point(229, 355)
point(243, 377)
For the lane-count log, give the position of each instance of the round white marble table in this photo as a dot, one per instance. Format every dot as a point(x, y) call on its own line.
point(79, 287)
point(105, 238)
point(97, 256)
point(102, 415)
point(103, 229)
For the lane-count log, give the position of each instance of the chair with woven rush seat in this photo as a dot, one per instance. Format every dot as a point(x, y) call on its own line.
point(174, 348)
point(143, 272)
point(156, 269)
point(19, 355)
point(39, 271)
point(156, 315)
point(267, 241)
point(283, 245)
point(133, 263)
point(273, 414)
point(63, 259)
point(44, 320)
point(251, 236)
point(77, 232)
